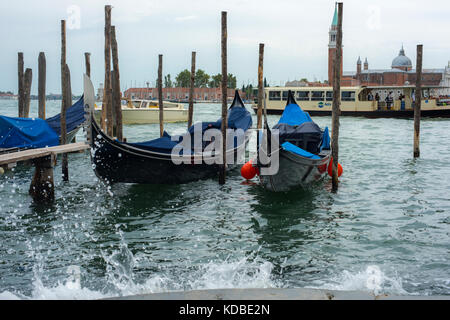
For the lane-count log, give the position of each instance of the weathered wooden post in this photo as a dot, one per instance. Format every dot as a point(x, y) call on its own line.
point(69, 101)
point(160, 97)
point(116, 86)
point(42, 188)
point(223, 168)
point(87, 58)
point(106, 118)
point(20, 87)
point(28, 78)
point(418, 102)
point(191, 92)
point(41, 84)
point(260, 85)
point(64, 104)
point(336, 109)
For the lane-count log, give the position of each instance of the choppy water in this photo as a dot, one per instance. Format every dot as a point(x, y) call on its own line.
point(385, 231)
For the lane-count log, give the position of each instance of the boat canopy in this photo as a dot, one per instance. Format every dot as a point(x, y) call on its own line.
point(30, 133)
point(238, 118)
point(74, 117)
point(293, 115)
point(296, 127)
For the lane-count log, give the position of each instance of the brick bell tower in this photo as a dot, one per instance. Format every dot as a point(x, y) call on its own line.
point(332, 46)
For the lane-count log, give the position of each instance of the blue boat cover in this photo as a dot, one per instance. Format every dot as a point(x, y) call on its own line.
point(294, 149)
point(37, 133)
point(297, 128)
point(293, 115)
point(26, 133)
point(74, 117)
point(238, 118)
point(325, 140)
point(162, 145)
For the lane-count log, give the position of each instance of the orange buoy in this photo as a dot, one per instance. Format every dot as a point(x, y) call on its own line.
point(330, 169)
point(248, 171)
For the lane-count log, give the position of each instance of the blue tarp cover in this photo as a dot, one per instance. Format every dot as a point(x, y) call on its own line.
point(37, 133)
point(294, 149)
point(74, 117)
point(26, 133)
point(163, 144)
point(293, 115)
point(238, 118)
point(325, 140)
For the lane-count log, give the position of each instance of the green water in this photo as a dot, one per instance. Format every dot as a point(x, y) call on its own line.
point(385, 231)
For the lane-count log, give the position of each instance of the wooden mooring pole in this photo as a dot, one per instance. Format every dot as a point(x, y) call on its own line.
point(87, 59)
point(116, 95)
point(418, 102)
point(41, 84)
point(260, 85)
point(64, 104)
point(106, 118)
point(336, 109)
point(28, 78)
point(160, 97)
point(223, 168)
point(191, 91)
point(42, 188)
point(20, 75)
point(69, 101)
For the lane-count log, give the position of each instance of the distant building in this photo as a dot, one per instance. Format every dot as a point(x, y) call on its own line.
point(181, 94)
point(8, 96)
point(296, 83)
point(401, 72)
point(332, 47)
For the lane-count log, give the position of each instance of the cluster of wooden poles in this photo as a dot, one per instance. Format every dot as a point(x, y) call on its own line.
point(24, 89)
point(111, 115)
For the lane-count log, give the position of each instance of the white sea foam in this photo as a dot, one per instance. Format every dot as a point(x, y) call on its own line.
point(372, 280)
point(241, 273)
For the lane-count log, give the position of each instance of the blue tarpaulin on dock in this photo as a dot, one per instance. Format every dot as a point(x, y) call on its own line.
point(29, 133)
point(26, 133)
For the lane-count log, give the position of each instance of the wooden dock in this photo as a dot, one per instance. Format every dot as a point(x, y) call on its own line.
point(15, 157)
point(42, 187)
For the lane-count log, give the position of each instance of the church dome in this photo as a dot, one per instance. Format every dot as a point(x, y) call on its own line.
point(401, 61)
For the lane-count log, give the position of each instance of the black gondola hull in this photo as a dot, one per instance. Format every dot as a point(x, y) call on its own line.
point(116, 162)
point(295, 171)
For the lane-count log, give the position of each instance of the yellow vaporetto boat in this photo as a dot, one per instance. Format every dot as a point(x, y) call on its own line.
point(361, 101)
point(140, 111)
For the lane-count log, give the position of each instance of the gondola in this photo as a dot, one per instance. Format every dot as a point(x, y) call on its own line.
point(18, 134)
point(151, 162)
point(303, 153)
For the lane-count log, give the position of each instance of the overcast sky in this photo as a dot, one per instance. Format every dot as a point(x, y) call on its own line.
point(295, 34)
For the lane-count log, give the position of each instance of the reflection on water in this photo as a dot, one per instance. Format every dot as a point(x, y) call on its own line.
point(386, 230)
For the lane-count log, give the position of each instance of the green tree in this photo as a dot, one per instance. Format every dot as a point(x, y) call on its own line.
point(183, 79)
point(232, 81)
point(216, 80)
point(265, 83)
point(168, 82)
point(201, 79)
